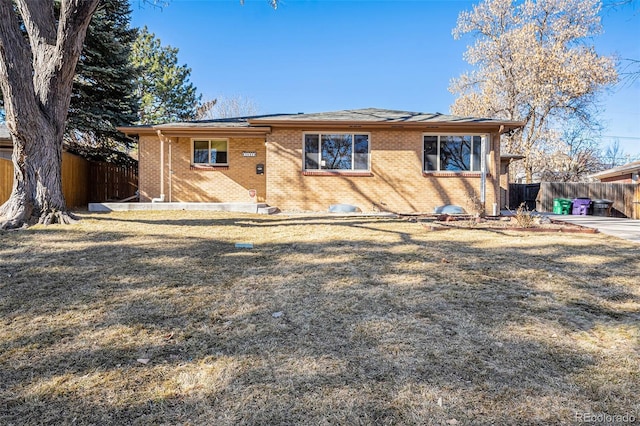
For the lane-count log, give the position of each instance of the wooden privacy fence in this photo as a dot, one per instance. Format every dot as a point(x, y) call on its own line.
point(75, 180)
point(83, 181)
point(523, 193)
point(625, 196)
point(112, 182)
point(6, 179)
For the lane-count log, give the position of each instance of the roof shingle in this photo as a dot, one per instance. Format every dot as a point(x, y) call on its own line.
point(370, 116)
point(376, 115)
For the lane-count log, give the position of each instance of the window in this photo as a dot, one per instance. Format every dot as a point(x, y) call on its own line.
point(212, 151)
point(452, 153)
point(336, 151)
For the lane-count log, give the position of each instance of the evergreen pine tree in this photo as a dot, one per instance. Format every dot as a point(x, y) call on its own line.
point(163, 86)
point(104, 86)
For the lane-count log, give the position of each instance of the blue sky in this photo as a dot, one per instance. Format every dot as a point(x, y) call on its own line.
point(311, 56)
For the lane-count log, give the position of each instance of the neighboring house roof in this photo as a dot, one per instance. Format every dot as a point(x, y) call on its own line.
point(506, 158)
point(370, 117)
point(5, 136)
point(633, 167)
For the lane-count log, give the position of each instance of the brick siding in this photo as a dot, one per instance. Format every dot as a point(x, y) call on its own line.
point(396, 181)
point(187, 184)
point(628, 178)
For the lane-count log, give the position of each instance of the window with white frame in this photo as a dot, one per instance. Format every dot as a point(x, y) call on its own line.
point(336, 151)
point(210, 151)
point(452, 153)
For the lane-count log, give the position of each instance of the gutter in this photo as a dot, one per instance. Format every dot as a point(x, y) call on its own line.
point(168, 131)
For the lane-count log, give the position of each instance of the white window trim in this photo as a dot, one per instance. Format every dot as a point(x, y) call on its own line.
point(483, 137)
point(209, 140)
point(336, 132)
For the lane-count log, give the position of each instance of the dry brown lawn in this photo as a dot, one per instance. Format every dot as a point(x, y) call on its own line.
point(326, 321)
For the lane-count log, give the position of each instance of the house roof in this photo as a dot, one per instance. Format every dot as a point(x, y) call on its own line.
point(633, 167)
point(219, 122)
point(369, 117)
point(238, 126)
point(374, 115)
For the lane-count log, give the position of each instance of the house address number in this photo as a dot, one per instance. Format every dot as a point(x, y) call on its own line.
point(248, 153)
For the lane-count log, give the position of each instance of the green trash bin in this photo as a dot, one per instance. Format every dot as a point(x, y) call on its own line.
point(561, 206)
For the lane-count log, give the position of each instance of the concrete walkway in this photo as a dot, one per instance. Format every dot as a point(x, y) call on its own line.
point(628, 229)
point(259, 208)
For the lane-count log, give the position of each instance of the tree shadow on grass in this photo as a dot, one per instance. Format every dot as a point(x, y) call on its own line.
point(247, 220)
point(373, 330)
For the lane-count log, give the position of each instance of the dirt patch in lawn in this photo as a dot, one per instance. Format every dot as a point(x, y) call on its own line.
point(158, 318)
point(537, 224)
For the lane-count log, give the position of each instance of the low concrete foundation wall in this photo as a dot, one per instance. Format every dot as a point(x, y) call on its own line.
point(220, 207)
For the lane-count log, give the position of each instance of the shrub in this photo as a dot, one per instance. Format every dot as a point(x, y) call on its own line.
point(523, 217)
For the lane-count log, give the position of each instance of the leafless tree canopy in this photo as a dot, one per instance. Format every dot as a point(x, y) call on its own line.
point(532, 62)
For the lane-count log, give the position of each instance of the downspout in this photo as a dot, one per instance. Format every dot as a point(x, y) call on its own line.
point(496, 173)
point(170, 170)
point(483, 171)
point(161, 198)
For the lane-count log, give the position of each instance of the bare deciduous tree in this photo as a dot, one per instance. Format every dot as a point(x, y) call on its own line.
point(532, 63)
point(227, 107)
point(575, 156)
point(39, 50)
point(40, 43)
point(614, 154)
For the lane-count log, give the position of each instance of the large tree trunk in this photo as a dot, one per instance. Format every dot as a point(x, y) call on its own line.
point(36, 75)
point(37, 187)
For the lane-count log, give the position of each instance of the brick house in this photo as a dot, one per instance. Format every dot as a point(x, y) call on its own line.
point(628, 173)
point(372, 158)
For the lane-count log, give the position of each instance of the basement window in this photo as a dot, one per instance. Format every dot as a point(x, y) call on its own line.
point(336, 151)
point(210, 151)
point(452, 153)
